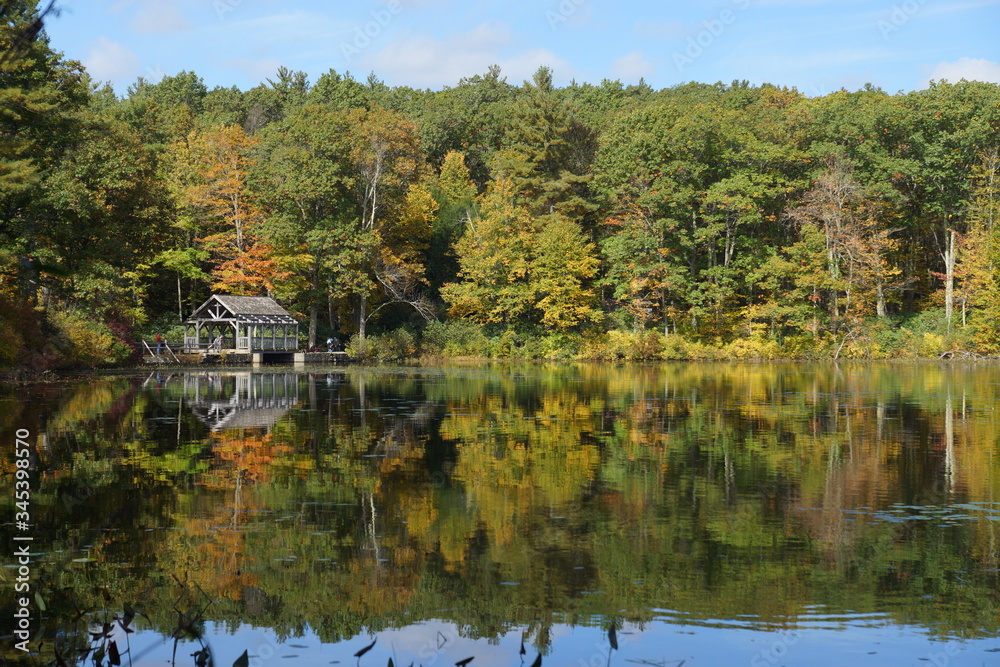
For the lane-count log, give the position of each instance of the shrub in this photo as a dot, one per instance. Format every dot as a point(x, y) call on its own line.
point(647, 345)
point(167, 326)
point(362, 349)
point(23, 342)
point(455, 338)
point(926, 334)
point(393, 346)
point(808, 346)
point(755, 348)
point(85, 342)
point(561, 346)
point(396, 345)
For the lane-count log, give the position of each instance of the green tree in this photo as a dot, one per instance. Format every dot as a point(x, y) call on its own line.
point(39, 94)
point(275, 99)
point(341, 91)
point(334, 189)
point(470, 117)
point(305, 188)
point(548, 153)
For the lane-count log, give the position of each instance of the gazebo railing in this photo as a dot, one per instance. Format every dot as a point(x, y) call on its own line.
point(263, 343)
point(243, 343)
point(194, 344)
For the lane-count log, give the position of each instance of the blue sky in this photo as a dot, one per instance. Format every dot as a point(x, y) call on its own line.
point(815, 46)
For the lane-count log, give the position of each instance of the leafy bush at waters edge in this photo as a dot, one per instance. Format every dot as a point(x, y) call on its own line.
point(61, 338)
point(392, 346)
point(454, 338)
point(923, 337)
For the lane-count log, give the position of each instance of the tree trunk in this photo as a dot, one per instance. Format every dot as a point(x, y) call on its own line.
point(362, 317)
point(949, 277)
point(329, 309)
point(815, 316)
point(835, 274)
point(180, 300)
point(730, 246)
point(880, 309)
point(663, 309)
point(313, 318)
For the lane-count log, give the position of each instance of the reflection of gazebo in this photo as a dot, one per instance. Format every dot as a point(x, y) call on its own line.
point(241, 323)
point(241, 400)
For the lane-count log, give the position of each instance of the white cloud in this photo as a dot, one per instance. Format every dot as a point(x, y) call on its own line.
point(159, 18)
point(631, 67)
point(425, 61)
point(970, 69)
point(111, 61)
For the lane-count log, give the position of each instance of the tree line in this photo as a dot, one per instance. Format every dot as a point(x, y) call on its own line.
point(604, 220)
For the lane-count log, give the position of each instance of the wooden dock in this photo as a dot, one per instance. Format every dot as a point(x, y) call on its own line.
point(241, 358)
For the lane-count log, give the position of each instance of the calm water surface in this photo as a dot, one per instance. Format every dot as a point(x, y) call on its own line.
point(595, 515)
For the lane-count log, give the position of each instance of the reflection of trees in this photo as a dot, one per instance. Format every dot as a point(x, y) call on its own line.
point(532, 496)
point(240, 400)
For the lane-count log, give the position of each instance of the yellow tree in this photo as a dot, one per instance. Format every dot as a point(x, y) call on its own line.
point(494, 261)
point(455, 182)
point(519, 270)
point(399, 266)
point(242, 262)
point(456, 195)
point(564, 261)
point(980, 256)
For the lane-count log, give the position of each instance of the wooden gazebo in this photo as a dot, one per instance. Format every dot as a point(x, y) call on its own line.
point(242, 324)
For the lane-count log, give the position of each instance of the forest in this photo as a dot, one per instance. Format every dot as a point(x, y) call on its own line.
point(494, 218)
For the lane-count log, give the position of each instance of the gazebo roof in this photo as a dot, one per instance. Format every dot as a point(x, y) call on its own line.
point(246, 309)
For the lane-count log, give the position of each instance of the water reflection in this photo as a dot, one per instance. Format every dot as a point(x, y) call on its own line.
point(737, 503)
point(237, 400)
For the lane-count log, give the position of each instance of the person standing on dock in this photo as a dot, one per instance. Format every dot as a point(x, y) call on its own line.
point(159, 343)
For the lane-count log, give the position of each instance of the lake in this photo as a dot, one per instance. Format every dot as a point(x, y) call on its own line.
point(688, 514)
